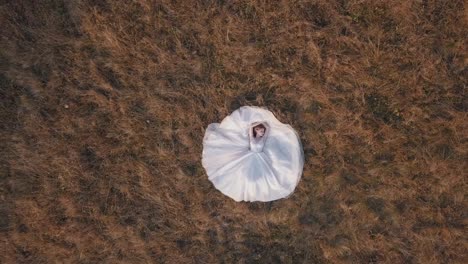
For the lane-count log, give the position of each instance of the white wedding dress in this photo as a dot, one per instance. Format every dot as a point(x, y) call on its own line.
point(246, 168)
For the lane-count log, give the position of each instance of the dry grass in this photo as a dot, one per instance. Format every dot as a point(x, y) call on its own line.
point(104, 106)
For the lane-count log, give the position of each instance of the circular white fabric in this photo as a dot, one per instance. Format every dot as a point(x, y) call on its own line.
point(249, 168)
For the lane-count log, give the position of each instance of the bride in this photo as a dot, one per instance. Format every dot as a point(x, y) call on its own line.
point(251, 156)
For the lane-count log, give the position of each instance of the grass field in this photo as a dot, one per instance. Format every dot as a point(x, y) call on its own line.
point(104, 104)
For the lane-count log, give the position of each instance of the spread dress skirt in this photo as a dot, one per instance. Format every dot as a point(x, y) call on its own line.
point(251, 156)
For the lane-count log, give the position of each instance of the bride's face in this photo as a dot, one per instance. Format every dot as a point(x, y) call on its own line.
point(259, 131)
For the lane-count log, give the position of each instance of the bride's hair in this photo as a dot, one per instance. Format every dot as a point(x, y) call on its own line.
point(257, 126)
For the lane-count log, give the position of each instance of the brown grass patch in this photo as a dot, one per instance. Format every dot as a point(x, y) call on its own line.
point(104, 105)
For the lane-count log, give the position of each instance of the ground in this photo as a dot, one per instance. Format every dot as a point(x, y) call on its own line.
point(104, 104)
